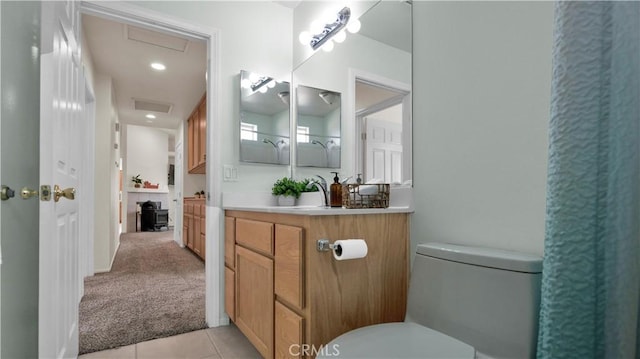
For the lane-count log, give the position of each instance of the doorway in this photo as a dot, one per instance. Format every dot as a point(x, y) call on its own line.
point(132, 15)
point(383, 130)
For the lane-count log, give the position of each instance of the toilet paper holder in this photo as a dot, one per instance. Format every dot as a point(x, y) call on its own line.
point(323, 245)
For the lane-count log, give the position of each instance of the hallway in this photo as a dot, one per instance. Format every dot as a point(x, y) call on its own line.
point(155, 289)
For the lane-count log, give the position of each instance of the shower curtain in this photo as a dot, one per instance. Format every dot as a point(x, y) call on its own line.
point(590, 286)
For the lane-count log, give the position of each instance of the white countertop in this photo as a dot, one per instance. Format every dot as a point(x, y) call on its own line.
point(309, 204)
point(319, 211)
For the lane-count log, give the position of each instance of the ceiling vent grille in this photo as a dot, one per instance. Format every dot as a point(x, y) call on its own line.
point(153, 106)
point(157, 38)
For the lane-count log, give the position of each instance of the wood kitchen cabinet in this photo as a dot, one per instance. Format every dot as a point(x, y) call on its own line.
point(194, 225)
point(197, 138)
point(286, 294)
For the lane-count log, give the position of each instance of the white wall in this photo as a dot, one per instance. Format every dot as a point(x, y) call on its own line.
point(482, 79)
point(147, 154)
point(106, 234)
point(254, 36)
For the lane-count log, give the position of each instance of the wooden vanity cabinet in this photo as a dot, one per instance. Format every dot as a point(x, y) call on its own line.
point(286, 295)
point(197, 138)
point(230, 267)
point(194, 225)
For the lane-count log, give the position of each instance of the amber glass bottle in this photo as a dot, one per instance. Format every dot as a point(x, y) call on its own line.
point(335, 191)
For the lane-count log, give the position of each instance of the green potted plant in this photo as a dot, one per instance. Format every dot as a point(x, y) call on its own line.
point(287, 190)
point(137, 181)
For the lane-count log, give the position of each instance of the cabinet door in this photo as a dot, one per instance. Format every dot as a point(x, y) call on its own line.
point(230, 293)
point(229, 241)
point(196, 234)
point(202, 131)
point(190, 232)
point(185, 232)
point(191, 143)
point(254, 299)
point(289, 267)
point(202, 246)
point(289, 333)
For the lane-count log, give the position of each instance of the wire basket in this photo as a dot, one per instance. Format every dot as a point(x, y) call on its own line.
point(365, 195)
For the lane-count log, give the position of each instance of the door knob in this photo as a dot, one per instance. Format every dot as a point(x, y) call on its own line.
point(6, 193)
point(27, 193)
point(68, 193)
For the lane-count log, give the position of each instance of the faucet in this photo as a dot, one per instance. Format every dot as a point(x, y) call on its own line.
point(321, 185)
point(266, 140)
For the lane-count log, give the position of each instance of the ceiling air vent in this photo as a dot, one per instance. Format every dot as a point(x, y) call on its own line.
point(157, 38)
point(154, 106)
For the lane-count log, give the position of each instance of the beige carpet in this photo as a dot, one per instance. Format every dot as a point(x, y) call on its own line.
point(155, 289)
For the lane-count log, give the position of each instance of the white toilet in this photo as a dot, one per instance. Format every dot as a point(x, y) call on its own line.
point(464, 302)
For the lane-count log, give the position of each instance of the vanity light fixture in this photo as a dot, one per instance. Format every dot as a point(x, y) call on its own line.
point(327, 96)
point(256, 83)
point(284, 97)
point(323, 34)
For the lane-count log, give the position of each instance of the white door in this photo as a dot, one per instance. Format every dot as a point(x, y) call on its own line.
point(61, 113)
point(383, 150)
point(177, 173)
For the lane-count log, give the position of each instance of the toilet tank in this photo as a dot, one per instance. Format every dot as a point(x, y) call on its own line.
point(488, 298)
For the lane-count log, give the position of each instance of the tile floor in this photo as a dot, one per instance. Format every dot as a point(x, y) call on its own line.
point(225, 342)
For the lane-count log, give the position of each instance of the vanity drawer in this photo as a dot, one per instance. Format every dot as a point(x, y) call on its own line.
point(255, 235)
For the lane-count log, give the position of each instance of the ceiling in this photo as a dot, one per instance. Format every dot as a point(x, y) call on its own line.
point(125, 53)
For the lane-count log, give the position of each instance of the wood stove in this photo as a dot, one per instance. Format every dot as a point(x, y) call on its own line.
point(153, 217)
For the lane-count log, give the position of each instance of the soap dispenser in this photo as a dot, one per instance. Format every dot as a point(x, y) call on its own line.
point(336, 191)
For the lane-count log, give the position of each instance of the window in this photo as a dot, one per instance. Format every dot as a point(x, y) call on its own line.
point(303, 134)
point(248, 131)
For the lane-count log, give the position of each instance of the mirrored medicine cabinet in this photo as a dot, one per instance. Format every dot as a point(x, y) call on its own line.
point(264, 119)
point(368, 77)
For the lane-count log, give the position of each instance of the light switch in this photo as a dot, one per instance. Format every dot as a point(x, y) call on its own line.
point(230, 173)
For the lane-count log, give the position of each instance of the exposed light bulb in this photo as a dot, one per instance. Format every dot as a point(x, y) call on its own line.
point(263, 89)
point(253, 77)
point(316, 27)
point(305, 37)
point(354, 26)
point(340, 36)
point(271, 84)
point(245, 83)
point(328, 46)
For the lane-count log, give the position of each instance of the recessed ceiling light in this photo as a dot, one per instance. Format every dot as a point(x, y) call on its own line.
point(158, 66)
point(150, 115)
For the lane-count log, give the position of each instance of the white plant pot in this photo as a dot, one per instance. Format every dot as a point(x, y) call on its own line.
point(286, 200)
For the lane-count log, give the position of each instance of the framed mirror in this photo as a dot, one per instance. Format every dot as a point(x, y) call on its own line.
point(318, 127)
point(371, 69)
point(264, 119)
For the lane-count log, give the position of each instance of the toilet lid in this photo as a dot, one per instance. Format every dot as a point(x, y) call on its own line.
point(396, 340)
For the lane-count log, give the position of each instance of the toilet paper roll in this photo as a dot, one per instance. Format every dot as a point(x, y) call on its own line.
point(349, 249)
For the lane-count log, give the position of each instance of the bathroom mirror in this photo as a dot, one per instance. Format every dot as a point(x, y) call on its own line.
point(264, 119)
point(318, 127)
point(372, 71)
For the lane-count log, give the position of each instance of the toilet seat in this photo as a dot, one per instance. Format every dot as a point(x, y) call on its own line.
point(396, 340)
